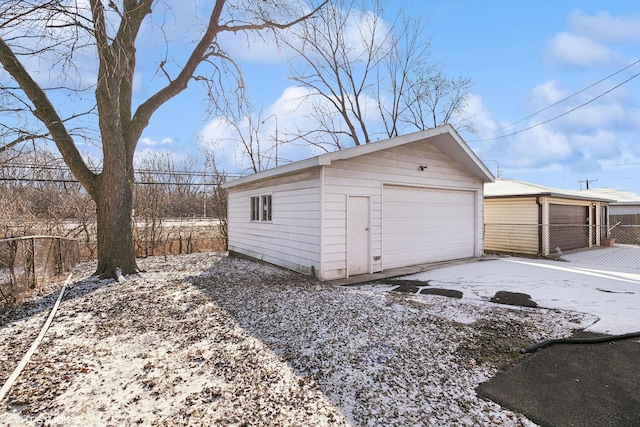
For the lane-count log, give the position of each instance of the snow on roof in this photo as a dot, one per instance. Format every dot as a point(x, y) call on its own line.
point(444, 138)
point(503, 187)
point(621, 197)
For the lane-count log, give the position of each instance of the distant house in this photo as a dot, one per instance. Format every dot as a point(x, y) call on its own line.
point(622, 202)
point(403, 201)
point(532, 219)
point(624, 213)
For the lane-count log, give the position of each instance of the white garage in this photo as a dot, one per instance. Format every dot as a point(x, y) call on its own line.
point(408, 200)
point(426, 225)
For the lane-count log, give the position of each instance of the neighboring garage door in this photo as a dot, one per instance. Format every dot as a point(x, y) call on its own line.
point(426, 225)
point(568, 227)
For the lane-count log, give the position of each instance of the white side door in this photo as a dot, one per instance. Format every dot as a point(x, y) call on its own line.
point(358, 235)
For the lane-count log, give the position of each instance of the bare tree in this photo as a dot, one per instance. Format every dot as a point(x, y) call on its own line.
point(71, 34)
point(39, 196)
point(360, 70)
point(243, 131)
point(241, 128)
point(218, 196)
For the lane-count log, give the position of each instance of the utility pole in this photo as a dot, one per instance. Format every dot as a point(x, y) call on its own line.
point(497, 166)
point(586, 181)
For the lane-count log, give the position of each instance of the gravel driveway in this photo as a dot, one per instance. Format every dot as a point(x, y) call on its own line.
point(209, 340)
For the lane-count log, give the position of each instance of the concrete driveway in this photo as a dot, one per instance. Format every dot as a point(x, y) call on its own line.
point(612, 294)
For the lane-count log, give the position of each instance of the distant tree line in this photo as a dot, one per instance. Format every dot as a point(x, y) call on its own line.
point(39, 195)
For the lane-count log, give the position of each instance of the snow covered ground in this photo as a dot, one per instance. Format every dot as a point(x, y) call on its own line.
point(208, 340)
point(610, 294)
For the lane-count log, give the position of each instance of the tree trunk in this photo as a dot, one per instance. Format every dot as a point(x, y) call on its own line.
point(114, 202)
point(115, 233)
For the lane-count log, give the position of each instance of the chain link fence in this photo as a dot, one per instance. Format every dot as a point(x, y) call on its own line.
point(626, 228)
point(175, 236)
point(27, 261)
point(614, 246)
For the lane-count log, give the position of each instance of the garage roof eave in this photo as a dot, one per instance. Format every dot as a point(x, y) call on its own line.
point(445, 138)
point(277, 171)
point(458, 150)
point(556, 195)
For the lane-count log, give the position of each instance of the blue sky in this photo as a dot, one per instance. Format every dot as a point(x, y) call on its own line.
point(521, 56)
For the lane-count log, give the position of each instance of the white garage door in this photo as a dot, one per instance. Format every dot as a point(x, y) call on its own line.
point(426, 225)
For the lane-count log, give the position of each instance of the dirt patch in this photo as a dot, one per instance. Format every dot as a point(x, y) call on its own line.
point(496, 344)
point(406, 289)
point(451, 293)
point(403, 282)
point(419, 287)
point(514, 298)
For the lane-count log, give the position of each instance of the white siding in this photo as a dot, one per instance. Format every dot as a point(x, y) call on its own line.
point(624, 209)
point(292, 238)
point(365, 176)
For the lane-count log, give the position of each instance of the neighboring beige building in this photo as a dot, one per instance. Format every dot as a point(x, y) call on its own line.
point(622, 202)
point(624, 214)
point(408, 200)
point(532, 219)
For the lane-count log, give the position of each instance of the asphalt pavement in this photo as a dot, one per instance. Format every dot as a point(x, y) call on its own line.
point(574, 385)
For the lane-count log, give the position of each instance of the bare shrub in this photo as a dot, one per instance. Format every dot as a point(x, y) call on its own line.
point(27, 262)
point(40, 197)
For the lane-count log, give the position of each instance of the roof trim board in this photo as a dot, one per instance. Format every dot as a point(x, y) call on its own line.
point(444, 138)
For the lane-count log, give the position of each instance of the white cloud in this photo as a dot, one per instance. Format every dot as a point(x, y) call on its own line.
point(169, 24)
point(261, 46)
point(602, 144)
point(483, 122)
point(138, 85)
point(251, 47)
point(146, 141)
point(292, 99)
point(217, 133)
point(361, 28)
point(231, 143)
point(537, 147)
point(573, 50)
point(591, 134)
point(595, 116)
point(548, 92)
point(584, 129)
point(615, 110)
point(290, 114)
point(603, 26)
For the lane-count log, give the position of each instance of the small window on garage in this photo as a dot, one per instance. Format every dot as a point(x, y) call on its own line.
point(266, 207)
point(255, 208)
point(261, 208)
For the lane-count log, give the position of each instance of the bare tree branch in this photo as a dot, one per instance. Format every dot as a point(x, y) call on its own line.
point(46, 112)
point(359, 68)
point(20, 139)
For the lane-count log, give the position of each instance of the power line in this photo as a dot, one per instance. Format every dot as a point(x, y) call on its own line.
point(567, 98)
point(559, 115)
point(74, 181)
point(62, 168)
